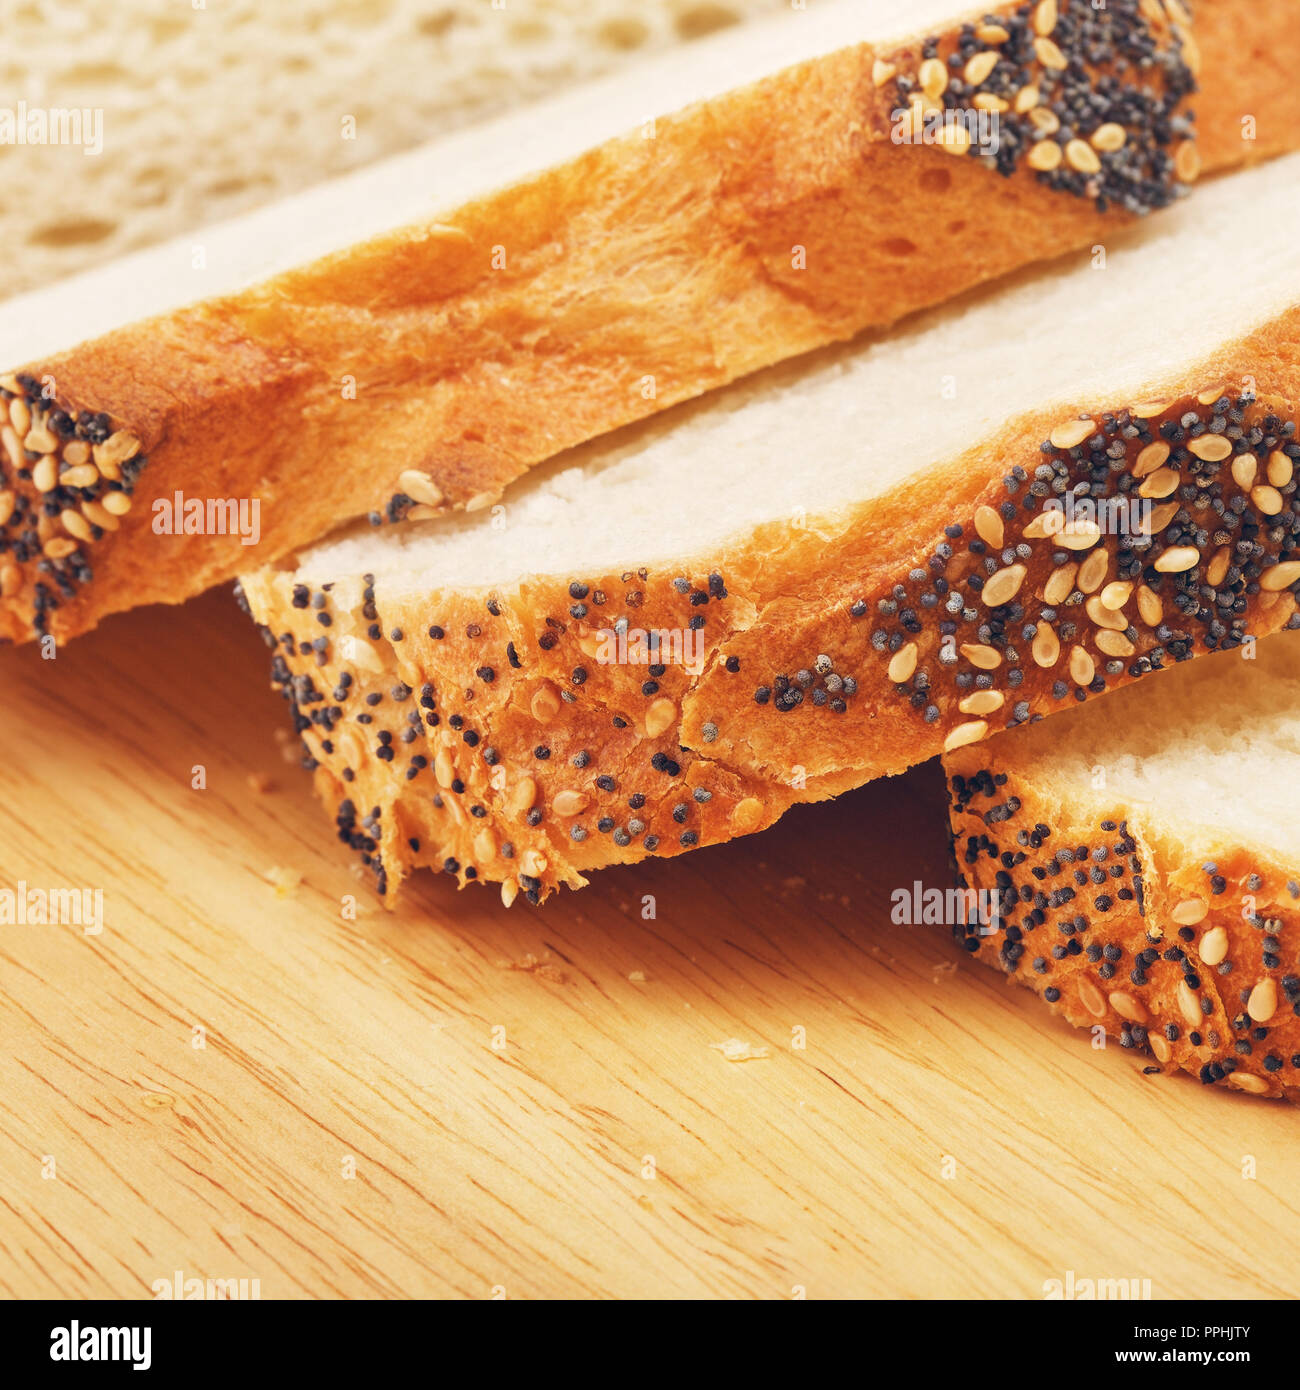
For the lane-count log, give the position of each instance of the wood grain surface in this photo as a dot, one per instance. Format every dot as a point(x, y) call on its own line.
point(458, 1100)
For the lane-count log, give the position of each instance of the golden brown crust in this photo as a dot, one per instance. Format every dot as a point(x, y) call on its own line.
point(851, 649)
point(1176, 949)
point(670, 259)
point(1249, 104)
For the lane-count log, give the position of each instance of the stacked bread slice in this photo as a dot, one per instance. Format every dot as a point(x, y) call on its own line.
point(416, 336)
point(1142, 864)
point(825, 574)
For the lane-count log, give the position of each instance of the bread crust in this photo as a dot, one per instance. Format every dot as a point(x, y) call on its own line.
point(1214, 994)
point(831, 654)
point(754, 226)
point(1249, 103)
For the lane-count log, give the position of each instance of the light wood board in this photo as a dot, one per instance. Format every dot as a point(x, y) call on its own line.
point(458, 1100)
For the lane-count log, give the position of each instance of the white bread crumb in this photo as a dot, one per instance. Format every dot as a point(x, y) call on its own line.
point(736, 1051)
point(285, 881)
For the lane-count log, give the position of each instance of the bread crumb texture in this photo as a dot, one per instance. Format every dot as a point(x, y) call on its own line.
point(212, 111)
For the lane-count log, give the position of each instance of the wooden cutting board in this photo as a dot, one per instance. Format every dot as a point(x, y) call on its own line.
point(452, 1099)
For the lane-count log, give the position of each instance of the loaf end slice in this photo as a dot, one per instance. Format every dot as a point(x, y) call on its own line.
point(1141, 866)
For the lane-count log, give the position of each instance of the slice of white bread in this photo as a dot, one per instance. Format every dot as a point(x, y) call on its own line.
point(865, 545)
point(431, 365)
point(1141, 861)
point(210, 110)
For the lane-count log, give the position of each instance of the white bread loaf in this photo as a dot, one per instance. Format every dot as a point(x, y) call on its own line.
point(866, 546)
point(210, 110)
point(433, 364)
point(1144, 859)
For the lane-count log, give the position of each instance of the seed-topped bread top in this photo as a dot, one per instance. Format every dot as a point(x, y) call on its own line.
point(1069, 87)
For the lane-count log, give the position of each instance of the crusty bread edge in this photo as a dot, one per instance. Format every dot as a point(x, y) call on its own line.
point(1203, 893)
point(772, 602)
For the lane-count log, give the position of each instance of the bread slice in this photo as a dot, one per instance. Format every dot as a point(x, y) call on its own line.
point(274, 98)
point(431, 365)
point(849, 564)
point(1142, 865)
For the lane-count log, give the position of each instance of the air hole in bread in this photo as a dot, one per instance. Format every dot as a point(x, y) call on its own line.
point(899, 246)
point(434, 26)
point(74, 232)
point(164, 30)
point(364, 13)
point(935, 180)
point(150, 186)
point(623, 34)
point(94, 75)
point(704, 19)
point(229, 188)
point(530, 31)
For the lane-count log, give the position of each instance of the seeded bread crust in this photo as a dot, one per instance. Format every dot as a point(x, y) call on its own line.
point(481, 732)
point(670, 259)
point(1108, 912)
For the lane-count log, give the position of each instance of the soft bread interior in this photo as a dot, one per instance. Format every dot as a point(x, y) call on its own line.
point(848, 424)
point(263, 96)
point(1213, 743)
point(415, 187)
